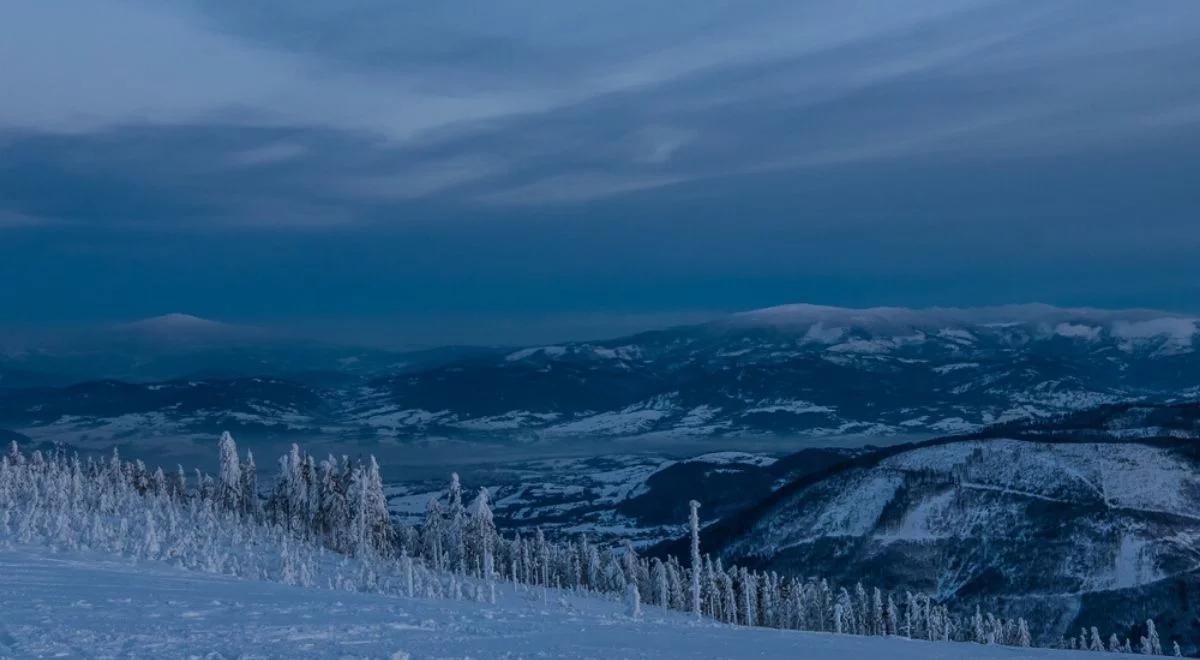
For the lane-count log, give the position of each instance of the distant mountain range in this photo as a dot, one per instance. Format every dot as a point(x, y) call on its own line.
point(180, 346)
point(794, 371)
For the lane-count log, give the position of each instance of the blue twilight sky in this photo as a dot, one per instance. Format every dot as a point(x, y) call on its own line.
point(417, 172)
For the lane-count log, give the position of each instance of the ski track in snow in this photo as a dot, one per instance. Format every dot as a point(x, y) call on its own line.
point(90, 605)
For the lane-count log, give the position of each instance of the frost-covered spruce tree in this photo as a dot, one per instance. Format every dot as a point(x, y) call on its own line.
point(891, 624)
point(694, 523)
point(368, 511)
point(14, 454)
point(633, 601)
point(521, 560)
point(251, 504)
point(454, 542)
point(150, 544)
point(289, 506)
point(377, 511)
point(767, 599)
point(877, 622)
point(406, 563)
point(587, 574)
point(862, 610)
point(542, 554)
point(229, 477)
point(1023, 637)
point(482, 541)
point(910, 606)
point(334, 512)
point(711, 589)
point(1152, 638)
point(845, 605)
point(300, 490)
point(158, 481)
point(179, 487)
point(978, 635)
point(432, 535)
point(729, 604)
point(661, 593)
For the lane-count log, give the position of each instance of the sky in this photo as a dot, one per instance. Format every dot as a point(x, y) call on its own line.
point(480, 172)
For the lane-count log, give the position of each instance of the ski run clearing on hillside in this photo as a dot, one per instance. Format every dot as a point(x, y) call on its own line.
point(78, 604)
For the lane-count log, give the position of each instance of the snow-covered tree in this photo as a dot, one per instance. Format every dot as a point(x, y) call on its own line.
point(978, 635)
point(878, 627)
point(482, 535)
point(661, 593)
point(370, 527)
point(1152, 638)
point(454, 542)
point(910, 606)
point(1023, 637)
point(179, 487)
point(633, 601)
point(251, 504)
point(229, 477)
point(694, 524)
point(432, 534)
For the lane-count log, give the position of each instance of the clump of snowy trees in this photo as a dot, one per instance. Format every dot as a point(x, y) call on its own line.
point(326, 524)
point(1148, 644)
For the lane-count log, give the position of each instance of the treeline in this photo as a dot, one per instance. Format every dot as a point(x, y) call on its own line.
point(325, 523)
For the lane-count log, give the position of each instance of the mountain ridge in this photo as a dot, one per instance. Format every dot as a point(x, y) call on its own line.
point(1055, 527)
point(826, 373)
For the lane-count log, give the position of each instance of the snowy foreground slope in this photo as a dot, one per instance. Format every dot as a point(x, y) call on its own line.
point(93, 605)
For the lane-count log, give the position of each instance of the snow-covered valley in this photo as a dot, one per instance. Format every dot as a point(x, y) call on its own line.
point(616, 497)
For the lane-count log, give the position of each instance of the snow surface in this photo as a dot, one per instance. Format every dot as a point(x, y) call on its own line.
point(93, 605)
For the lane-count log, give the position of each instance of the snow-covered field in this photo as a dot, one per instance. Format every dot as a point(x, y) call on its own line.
point(90, 605)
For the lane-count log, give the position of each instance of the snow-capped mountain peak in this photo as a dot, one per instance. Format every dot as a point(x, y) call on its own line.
point(180, 328)
point(883, 318)
point(177, 322)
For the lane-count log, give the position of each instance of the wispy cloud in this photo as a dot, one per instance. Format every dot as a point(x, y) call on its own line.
point(422, 179)
point(570, 188)
point(590, 101)
point(267, 154)
point(14, 219)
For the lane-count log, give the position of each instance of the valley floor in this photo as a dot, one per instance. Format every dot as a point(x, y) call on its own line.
point(95, 606)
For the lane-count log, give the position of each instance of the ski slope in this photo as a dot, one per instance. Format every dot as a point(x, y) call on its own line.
point(91, 605)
